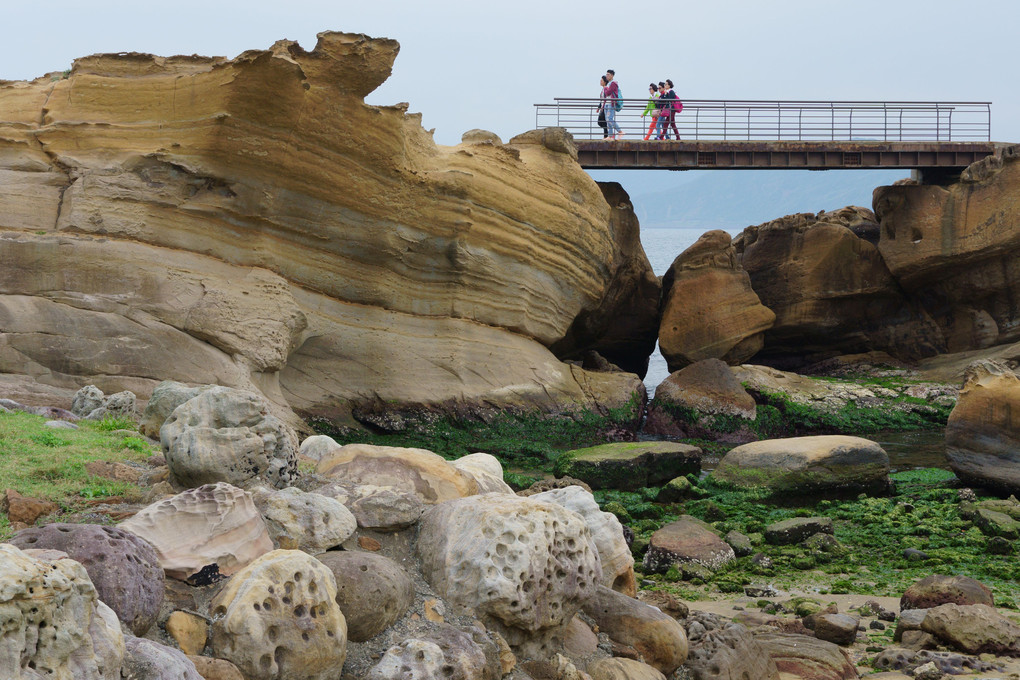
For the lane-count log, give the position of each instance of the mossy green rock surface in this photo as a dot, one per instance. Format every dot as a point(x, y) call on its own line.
point(803, 465)
point(629, 465)
point(796, 529)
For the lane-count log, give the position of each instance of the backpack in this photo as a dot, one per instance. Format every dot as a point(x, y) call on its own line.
point(618, 102)
point(678, 105)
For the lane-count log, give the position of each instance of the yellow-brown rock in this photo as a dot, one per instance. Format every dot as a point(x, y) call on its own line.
point(253, 223)
point(831, 291)
point(956, 248)
point(710, 310)
point(983, 432)
point(190, 632)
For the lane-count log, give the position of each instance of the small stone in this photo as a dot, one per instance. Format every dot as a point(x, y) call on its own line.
point(915, 555)
point(740, 543)
point(760, 591)
point(215, 669)
point(190, 632)
point(24, 508)
point(838, 628)
point(117, 471)
point(369, 543)
point(997, 545)
point(928, 671)
point(434, 611)
point(876, 625)
point(60, 425)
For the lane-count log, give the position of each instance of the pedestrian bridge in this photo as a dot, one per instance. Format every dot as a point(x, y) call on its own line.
point(937, 138)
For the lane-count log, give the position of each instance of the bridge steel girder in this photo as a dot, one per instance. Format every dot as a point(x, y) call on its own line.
point(778, 155)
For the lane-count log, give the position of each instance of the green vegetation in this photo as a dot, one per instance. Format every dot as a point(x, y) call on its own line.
point(46, 463)
point(871, 534)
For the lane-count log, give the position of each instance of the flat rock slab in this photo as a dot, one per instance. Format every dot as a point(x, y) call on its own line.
point(630, 465)
point(797, 529)
point(807, 465)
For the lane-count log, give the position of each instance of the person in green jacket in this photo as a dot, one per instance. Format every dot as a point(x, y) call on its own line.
point(653, 92)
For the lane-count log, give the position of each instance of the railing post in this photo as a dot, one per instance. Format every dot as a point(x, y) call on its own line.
point(885, 122)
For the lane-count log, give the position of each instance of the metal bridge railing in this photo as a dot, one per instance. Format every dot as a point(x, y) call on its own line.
point(703, 119)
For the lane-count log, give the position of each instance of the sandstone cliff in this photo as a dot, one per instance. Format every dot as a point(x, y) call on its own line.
point(252, 222)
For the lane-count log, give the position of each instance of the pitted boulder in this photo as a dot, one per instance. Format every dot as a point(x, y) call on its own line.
point(725, 651)
point(657, 636)
point(277, 619)
point(428, 475)
point(228, 435)
point(373, 591)
point(54, 627)
point(86, 400)
point(807, 465)
point(380, 508)
point(939, 589)
point(124, 569)
point(91, 404)
point(687, 540)
point(442, 653)
point(606, 531)
point(203, 534)
point(148, 660)
point(304, 521)
point(166, 397)
point(521, 566)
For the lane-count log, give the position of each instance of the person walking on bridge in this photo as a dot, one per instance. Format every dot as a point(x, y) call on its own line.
point(602, 107)
point(612, 95)
point(650, 108)
point(674, 108)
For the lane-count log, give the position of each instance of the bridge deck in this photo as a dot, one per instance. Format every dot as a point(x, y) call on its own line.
point(778, 155)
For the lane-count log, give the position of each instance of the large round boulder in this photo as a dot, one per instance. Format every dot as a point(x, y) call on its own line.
point(629, 465)
point(939, 589)
point(203, 534)
point(710, 310)
point(441, 653)
point(277, 619)
point(606, 532)
point(973, 629)
point(703, 400)
point(124, 569)
point(166, 397)
point(983, 435)
point(297, 520)
point(520, 565)
point(372, 591)
point(685, 541)
point(807, 465)
point(803, 656)
point(228, 435)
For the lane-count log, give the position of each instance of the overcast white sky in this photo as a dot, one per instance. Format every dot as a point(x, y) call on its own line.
point(481, 64)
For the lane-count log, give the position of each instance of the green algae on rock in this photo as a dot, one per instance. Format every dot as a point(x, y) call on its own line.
point(629, 465)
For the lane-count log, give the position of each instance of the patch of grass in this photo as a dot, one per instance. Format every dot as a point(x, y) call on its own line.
point(109, 424)
point(44, 463)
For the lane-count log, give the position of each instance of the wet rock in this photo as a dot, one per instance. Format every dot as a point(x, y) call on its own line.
point(840, 629)
point(277, 619)
point(740, 543)
point(373, 591)
point(797, 529)
point(974, 629)
point(687, 540)
point(124, 569)
point(939, 589)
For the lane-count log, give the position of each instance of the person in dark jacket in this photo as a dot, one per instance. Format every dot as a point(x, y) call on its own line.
point(665, 105)
point(671, 95)
point(602, 108)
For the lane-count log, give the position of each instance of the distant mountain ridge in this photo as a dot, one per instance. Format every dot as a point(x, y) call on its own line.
point(737, 199)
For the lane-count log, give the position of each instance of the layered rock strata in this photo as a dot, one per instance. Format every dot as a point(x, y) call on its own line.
point(253, 223)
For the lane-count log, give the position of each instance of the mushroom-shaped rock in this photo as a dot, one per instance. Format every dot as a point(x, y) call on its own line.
point(304, 521)
point(442, 653)
point(53, 625)
point(428, 475)
point(148, 660)
point(807, 465)
point(606, 532)
point(487, 471)
point(983, 435)
point(228, 435)
point(629, 465)
point(520, 565)
point(687, 540)
point(657, 636)
point(204, 533)
point(124, 569)
point(373, 591)
point(277, 619)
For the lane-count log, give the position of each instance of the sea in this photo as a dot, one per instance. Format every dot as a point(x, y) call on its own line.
point(662, 247)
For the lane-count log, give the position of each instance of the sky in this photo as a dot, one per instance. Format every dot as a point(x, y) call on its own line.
point(468, 64)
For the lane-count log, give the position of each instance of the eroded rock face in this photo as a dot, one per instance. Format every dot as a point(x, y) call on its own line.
point(831, 291)
point(443, 653)
point(372, 591)
point(955, 248)
point(166, 397)
point(203, 534)
point(277, 619)
point(54, 625)
point(124, 569)
point(197, 243)
point(227, 435)
point(606, 532)
point(657, 636)
point(518, 564)
point(983, 432)
point(725, 651)
point(710, 310)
